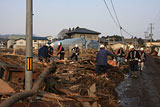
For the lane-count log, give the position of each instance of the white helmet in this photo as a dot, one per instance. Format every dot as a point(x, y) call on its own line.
point(76, 45)
point(101, 46)
point(47, 44)
point(142, 49)
point(122, 46)
point(59, 43)
point(52, 44)
point(131, 46)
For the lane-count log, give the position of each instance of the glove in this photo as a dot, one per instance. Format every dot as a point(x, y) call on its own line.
point(76, 53)
point(139, 60)
point(125, 60)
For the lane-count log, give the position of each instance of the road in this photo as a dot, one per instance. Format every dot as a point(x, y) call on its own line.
point(144, 91)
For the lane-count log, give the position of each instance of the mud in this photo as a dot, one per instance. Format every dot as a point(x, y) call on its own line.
point(143, 91)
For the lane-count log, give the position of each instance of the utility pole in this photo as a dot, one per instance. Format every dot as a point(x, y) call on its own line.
point(145, 34)
point(151, 35)
point(29, 50)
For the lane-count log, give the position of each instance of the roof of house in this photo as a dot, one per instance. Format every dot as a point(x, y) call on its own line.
point(39, 38)
point(82, 31)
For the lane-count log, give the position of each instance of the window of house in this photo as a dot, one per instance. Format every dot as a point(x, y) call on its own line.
point(82, 36)
point(20, 42)
point(35, 40)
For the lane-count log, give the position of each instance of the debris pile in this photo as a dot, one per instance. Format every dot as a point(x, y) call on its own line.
point(73, 84)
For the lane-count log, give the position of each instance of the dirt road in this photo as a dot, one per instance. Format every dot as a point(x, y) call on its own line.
point(144, 91)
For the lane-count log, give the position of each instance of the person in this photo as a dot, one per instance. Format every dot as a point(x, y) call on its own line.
point(50, 51)
point(76, 52)
point(120, 55)
point(43, 53)
point(133, 57)
point(60, 51)
point(101, 59)
point(143, 58)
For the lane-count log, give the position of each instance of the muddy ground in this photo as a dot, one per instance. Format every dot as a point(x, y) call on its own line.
point(144, 91)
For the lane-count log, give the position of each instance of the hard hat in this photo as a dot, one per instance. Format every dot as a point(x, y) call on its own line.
point(47, 44)
point(142, 49)
point(101, 46)
point(122, 46)
point(52, 44)
point(59, 43)
point(76, 45)
point(131, 46)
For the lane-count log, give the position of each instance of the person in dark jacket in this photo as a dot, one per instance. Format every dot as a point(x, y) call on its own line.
point(102, 60)
point(43, 53)
point(60, 51)
point(133, 57)
point(76, 52)
point(143, 59)
point(120, 55)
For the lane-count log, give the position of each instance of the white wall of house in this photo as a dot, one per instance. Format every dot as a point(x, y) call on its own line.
point(118, 45)
point(86, 36)
point(21, 43)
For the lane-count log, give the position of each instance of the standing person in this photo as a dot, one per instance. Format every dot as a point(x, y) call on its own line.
point(76, 52)
point(43, 53)
point(143, 58)
point(50, 51)
point(102, 60)
point(60, 51)
point(120, 55)
point(133, 57)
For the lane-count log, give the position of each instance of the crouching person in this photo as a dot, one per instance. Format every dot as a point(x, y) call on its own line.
point(102, 60)
point(76, 52)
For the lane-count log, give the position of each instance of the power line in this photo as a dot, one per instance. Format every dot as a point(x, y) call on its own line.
point(116, 17)
point(115, 13)
point(110, 13)
point(116, 22)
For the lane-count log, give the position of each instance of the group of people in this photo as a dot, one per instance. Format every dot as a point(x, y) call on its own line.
point(136, 59)
point(47, 51)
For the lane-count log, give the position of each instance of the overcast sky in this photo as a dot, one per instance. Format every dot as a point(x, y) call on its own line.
point(51, 16)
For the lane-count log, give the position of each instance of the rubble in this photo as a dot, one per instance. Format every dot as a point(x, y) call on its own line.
point(73, 83)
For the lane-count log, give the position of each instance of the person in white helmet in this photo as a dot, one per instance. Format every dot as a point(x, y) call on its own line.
point(60, 51)
point(143, 59)
point(133, 57)
point(101, 59)
point(76, 52)
point(120, 55)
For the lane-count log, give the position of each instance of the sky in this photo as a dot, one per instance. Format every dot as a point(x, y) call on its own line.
point(51, 16)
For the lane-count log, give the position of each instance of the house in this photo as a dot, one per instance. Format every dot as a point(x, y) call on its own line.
point(20, 43)
point(83, 33)
point(116, 45)
point(149, 44)
point(12, 40)
point(39, 42)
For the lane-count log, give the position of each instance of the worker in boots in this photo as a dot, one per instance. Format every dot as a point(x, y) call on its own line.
point(60, 51)
point(101, 59)
point(143, 58)
point(120, 55)
point(76, 52)
point(133, 57)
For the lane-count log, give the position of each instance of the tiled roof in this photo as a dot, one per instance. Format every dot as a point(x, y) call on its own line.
point(82, 31)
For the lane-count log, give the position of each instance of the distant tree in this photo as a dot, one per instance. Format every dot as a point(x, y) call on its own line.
point(140, 41)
